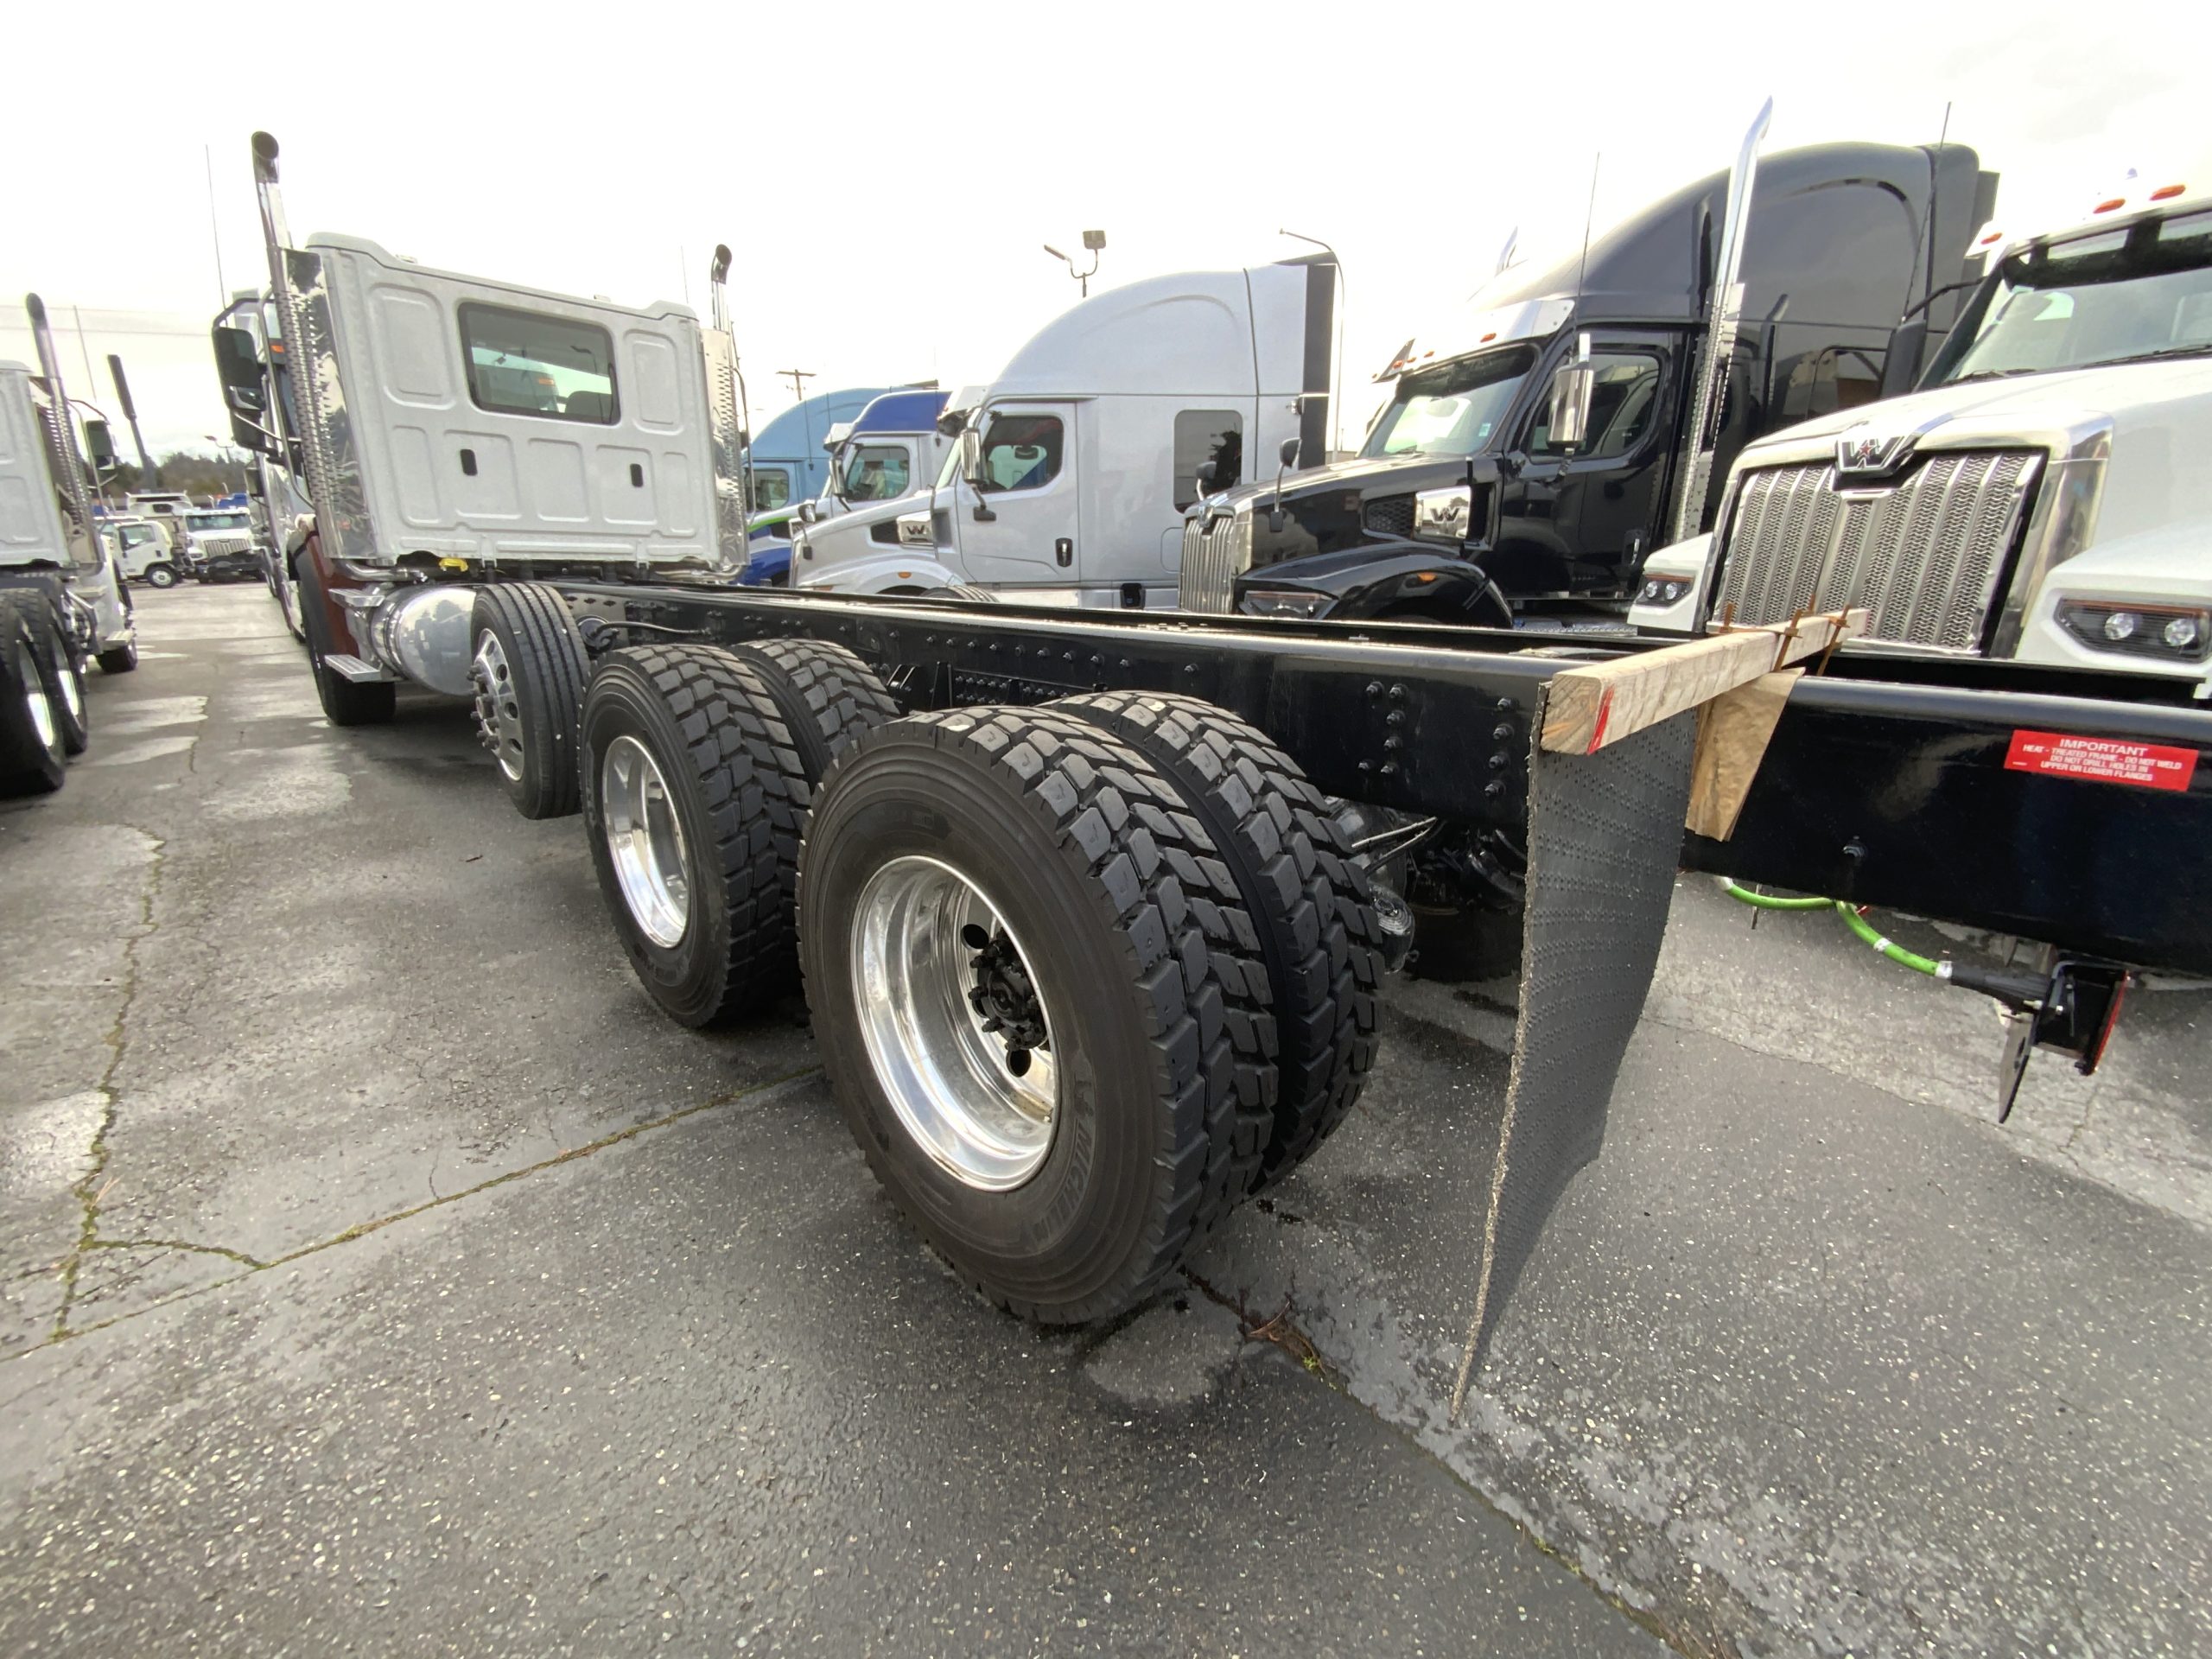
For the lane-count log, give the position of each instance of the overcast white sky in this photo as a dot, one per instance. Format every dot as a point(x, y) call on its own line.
point(886, 174)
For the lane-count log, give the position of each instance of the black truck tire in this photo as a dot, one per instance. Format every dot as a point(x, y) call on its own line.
point(1311, 904)
point(64, 674)
point(688, 772)
point(345, 702)
point(529, 666)
point(827, 696)
point(1113, 931)
point(162, 575)
point(119, 660)
point(32, 761)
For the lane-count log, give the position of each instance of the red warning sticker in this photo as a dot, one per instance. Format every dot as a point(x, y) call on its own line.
point(2101, 760)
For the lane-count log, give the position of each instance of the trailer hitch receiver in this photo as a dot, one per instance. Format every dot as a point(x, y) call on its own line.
point(2070, 1012)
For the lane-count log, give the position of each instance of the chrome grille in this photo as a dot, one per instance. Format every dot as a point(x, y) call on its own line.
point(1924, 555)
point(1388, 515)
point(1217, 550)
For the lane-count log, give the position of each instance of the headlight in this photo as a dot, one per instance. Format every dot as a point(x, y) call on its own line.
point(1445, 515)
point(1663, 590)
point(2163, 632)
point(1283, 602)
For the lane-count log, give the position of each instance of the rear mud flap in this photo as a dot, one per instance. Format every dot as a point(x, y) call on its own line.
point(1604, 839)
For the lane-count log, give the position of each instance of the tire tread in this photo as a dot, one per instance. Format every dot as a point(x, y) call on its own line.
point(1128, 831)
point(1311, 898)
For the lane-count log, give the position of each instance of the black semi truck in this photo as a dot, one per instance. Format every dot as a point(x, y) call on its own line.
point(1586, 413)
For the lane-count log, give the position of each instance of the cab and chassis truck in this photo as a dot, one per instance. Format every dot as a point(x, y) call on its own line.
point(1077, 900)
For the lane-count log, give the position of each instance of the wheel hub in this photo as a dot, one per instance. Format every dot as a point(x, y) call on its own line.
point(35, 701)
point(1003, 995)
point(645, 838)
point(499, 717)
point(956, 1025)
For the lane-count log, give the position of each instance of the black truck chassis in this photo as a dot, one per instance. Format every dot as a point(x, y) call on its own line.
point(1890, 781)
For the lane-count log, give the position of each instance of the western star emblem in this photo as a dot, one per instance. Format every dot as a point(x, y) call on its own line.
point(1862, 452)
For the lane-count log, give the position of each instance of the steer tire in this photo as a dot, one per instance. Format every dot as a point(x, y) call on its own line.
point(528, 691)
point(345, 702)
point(738, 794)
point(827, 696)
point(1153, 996)
point(119, 660)
point(63, 672)
point(32, 761)
point(1313, 906)
point(160, 575)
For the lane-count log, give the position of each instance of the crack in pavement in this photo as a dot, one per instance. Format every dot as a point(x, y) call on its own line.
point(63, 1332)
point(90, 1188)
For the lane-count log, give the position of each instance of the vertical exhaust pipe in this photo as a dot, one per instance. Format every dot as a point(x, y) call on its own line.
point(1723, 317)
point(61, 436)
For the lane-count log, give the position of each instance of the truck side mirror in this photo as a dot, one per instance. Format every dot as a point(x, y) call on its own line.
point(1289, 454)
point(1901, 360)
point(1206, 474)
point(238, 365)
point(1572, 385)
point(99, 446)
point(971, 469)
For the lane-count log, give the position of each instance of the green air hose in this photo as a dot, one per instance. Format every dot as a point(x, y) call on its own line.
point(1851, 919)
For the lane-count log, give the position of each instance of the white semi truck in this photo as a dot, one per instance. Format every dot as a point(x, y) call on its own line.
point(61, 598)
point(2038, 497)
point(459, 436)
point(1076, 464)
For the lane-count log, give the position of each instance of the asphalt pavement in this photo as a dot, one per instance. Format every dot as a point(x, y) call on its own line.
point(378, 1271)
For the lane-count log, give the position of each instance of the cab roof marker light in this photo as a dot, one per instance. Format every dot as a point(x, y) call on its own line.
point(2109, 205)
point(2168, 191)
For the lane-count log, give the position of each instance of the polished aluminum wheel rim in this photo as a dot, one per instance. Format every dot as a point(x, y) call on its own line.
point(35, 698)
point(645, 841)
point(73, 694)
point(499, 717)
point(949, 1079)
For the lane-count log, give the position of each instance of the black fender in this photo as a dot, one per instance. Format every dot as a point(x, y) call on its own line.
point(1392, 580)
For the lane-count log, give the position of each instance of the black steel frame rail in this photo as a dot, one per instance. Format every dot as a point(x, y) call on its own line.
point(1886, 782)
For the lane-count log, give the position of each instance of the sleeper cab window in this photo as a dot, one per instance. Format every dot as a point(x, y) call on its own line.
point(1203, 434)
point(526, 363)
point(1022, 452)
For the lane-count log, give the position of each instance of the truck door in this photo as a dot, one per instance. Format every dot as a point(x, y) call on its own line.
point(1581, 522)
point(1028, 484)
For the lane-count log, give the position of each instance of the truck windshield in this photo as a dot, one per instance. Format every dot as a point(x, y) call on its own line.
point(2145, 291)
point(216, 520)
point(1454, 410)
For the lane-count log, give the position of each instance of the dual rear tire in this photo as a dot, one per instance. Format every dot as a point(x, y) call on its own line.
point(1082, 977)
point(33, 757)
